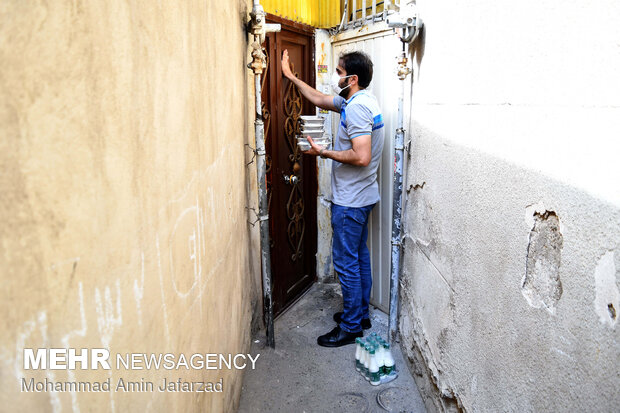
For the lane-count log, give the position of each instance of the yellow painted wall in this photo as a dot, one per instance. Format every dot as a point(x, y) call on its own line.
point(122, 193)
point(317, 13)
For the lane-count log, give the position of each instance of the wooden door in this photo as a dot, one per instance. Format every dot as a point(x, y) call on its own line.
point(292, 202)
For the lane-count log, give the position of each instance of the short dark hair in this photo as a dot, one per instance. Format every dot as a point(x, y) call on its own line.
point(358, 63)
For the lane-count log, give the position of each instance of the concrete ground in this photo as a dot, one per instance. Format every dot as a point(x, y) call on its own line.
point(300, 376)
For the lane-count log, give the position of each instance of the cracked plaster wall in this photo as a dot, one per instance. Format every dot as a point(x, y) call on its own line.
point(509, 292)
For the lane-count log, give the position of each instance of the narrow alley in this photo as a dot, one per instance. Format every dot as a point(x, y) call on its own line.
point(300, 376)
point(189, 190)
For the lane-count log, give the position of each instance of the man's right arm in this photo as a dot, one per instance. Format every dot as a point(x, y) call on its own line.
point(314, 96)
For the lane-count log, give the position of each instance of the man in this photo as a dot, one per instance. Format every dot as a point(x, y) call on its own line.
point(356, 156)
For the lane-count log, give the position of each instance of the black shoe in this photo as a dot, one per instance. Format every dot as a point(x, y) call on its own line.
point(338, 337)
point(365, 321)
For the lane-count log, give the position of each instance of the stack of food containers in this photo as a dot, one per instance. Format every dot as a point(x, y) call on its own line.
point(312, 126)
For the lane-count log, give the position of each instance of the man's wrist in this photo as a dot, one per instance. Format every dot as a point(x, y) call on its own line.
point(322, 153)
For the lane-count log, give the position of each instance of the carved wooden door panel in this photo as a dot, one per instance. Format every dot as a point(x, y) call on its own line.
point(291, 176)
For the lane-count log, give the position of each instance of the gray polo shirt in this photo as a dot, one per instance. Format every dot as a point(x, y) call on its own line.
point(356, 186)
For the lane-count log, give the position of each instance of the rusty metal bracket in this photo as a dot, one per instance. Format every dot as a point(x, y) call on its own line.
point(259, 59)
point(403, 69)
point(259, 29)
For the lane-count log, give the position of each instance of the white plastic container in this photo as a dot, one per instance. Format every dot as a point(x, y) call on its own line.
point(366, 361)
point(373, 369)
point(311, 119)
point(380, 353)
point(388, 360)
point(304, 145)
point(306, 131)
point(319, 141)
point(313, 133)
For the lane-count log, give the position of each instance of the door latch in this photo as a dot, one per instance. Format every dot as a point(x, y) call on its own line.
point(291, 179)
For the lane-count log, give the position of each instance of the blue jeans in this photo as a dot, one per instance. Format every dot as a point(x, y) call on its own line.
point(352, 263)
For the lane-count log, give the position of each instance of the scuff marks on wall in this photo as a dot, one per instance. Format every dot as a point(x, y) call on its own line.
point(607, 301)
point(541, 286)
point(76, 333)
point(109, 313)
point(325, 268)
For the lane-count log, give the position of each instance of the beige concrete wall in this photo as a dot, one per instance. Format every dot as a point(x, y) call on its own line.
point(510, 285)
point(123, 191)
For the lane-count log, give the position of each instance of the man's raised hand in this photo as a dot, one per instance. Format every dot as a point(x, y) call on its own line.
point(286, 67)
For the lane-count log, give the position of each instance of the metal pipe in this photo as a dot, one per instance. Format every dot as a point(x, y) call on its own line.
point(399, 146)
point(263, 214)
point(259, 29)
point(343, 21)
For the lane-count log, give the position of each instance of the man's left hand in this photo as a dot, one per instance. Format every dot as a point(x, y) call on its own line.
point(315, 149)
